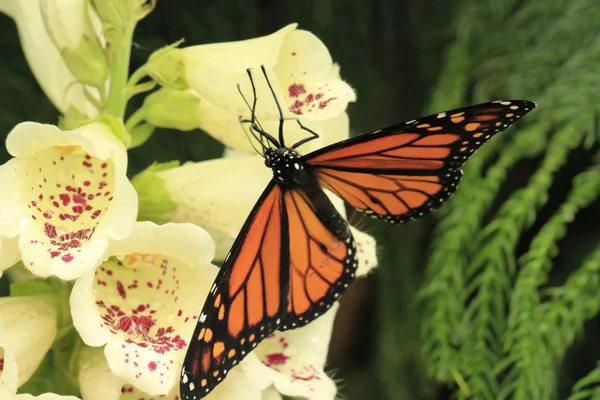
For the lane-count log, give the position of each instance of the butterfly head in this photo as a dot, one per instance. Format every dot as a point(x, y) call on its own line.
point(286, 164)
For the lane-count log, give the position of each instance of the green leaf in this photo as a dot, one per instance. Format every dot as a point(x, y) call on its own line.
point(31, 288)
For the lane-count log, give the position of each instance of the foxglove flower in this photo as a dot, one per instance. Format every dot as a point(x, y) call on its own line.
point(305, 80)
point(66, 194)
point(143, 302)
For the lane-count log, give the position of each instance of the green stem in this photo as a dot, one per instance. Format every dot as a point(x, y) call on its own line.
point(135, 118)
point(120, 52)
point(137, 76)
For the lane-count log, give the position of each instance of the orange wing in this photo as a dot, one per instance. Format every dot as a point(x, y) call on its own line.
point(244, 302)
point(404, 171)
point(268, 282)
point(322, 255)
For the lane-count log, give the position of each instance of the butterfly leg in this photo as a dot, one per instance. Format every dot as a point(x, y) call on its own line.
point(313, 136)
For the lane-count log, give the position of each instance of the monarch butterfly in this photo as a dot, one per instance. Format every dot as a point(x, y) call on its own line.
point(295, 255)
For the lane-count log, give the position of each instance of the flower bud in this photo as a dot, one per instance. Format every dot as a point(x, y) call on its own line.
point(168, 108)
point(69, 26)
point(167, 67)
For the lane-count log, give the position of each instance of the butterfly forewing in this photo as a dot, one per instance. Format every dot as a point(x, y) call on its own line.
point(244, 303)
point(402, 172)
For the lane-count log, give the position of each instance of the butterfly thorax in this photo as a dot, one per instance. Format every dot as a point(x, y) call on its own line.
point(287, 166)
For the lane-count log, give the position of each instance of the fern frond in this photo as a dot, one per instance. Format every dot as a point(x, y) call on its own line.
point(493, 266)
point(444, 287)
point(588, 387)
point(530, 364)
point(572, 304)
point(553, 33)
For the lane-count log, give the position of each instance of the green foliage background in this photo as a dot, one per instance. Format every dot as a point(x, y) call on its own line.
point(496, 296)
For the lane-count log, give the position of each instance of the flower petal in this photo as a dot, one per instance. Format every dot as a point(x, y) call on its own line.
point(69, 193)
point(29, 329)
point(310, 84)
point(96, 380)
point(295, 359)
point(9, 374)
point(143, 304)
point(271, 393)
point(367, 251)
point(213, 70)
point(45, 60)
point(199, 188)
point(9, 253)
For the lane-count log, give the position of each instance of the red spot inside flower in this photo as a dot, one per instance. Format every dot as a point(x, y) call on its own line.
point(296, 108)
point(67, 258)
point(275, 359)
point(127, 389)
point(296, 90)
point(152, 366)
point(283, 342)
point(308, 373)
point(50, 230)
point(54, 254)
point(87, 164)
point(124, 324)
point(86, 183)
point(65, 198)
point(309, 98)
point(324, 103)
point(1, 364)
point(121, 289)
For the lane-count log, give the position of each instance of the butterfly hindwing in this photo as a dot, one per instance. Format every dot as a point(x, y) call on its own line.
point(244, 303)
point(322, 255)
point(404, 171)
point(395, 198)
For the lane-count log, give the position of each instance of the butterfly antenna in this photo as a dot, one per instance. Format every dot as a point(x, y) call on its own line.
point(313, 136)
point(262, 67)
point(252, 132)
point(253, 122)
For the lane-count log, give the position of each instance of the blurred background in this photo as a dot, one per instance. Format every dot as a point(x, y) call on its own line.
point(496, 295)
